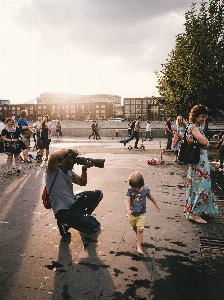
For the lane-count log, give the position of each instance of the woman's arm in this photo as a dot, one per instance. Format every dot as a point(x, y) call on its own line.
point(199, 137)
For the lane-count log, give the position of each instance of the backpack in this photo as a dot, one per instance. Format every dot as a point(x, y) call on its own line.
point(133, 125)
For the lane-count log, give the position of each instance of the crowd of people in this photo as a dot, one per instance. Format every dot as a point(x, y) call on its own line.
point(75, 210)
point(15, 139)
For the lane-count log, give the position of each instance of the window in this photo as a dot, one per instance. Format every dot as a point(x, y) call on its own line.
point(138, 102)
point(132, 101)
point(31, 107)
point(102, 106)
point(102, 111)
point(126, 101)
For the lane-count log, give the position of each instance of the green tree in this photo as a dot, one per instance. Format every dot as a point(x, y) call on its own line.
point(194, 71)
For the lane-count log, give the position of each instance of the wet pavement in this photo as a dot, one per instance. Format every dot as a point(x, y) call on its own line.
point(182, 260)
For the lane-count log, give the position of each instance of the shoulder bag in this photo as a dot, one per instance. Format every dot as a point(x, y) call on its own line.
point(45, 195)
point(189, 153)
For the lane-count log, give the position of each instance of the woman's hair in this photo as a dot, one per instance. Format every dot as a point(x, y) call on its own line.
point(136, 180)
point(46, 116)
point(179, 121)
point(9, 119)
point(196, 111)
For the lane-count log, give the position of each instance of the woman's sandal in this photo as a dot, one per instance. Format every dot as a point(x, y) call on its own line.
point(197, 219)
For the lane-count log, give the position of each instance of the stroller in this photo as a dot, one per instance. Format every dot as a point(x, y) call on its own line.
point(36, 157)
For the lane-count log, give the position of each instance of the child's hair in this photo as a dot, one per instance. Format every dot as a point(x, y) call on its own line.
point(136, 180)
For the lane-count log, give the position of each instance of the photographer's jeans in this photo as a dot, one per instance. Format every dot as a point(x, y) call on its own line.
point(79, 215)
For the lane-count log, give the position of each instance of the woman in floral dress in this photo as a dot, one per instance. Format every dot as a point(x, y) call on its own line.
point(199, 196)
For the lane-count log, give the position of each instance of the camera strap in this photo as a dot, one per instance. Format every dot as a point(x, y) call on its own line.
point(53, 182)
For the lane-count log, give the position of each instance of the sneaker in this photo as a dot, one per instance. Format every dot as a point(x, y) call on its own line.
point(136, 147)
point(18, 171)
point(9, 173)
point(175, 160)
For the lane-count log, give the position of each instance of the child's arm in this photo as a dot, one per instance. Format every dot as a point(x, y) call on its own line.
point(150, 196)
point(127, 205)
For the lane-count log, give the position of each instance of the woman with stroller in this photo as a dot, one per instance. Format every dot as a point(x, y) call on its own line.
point(45, 136)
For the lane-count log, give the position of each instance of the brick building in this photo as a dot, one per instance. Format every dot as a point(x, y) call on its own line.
point(147, 107)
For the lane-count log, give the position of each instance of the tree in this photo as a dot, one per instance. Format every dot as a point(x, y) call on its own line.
point(194, 71)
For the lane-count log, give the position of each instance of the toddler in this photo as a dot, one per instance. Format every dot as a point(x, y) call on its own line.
point(135, 204)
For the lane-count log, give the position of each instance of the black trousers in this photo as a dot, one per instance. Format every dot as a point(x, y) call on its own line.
point(79, 215)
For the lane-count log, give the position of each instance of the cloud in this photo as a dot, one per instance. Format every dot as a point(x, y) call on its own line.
point(102, 28)
point(86, 46)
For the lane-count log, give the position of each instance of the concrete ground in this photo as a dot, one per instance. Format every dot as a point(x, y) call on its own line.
point(182, 260)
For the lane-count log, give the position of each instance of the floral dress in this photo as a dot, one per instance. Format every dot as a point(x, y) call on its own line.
point(199, 196)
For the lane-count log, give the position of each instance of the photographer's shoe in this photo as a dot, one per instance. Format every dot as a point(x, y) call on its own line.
point(63, 229)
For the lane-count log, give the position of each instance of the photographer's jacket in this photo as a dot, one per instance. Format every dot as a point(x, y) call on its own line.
point(61, 196)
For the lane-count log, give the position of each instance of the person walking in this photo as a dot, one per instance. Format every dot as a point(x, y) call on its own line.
point(135, 204)
point(178, 134)
point(148, 131)
point(11, 136)
point(169, 133)
point(45, 136)
point(200, 199)
point(97, 128)
point(93, 126)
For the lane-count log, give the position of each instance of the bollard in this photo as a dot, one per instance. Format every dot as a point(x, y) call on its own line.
point(116, 133)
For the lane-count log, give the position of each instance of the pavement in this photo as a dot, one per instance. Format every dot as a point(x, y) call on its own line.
point(182, 260)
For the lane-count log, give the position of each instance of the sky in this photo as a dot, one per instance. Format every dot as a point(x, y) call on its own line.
point(86, 47)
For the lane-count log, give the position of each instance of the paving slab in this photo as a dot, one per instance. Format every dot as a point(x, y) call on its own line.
point(181, 259)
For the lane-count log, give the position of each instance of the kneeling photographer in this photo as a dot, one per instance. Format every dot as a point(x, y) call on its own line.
point(72, 210)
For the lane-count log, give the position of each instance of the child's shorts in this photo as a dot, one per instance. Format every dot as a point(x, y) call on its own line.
point(137, 221)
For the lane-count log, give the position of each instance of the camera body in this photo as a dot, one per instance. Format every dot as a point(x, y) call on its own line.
point(73, 159)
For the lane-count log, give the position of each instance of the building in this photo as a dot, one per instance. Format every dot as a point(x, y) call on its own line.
point(72, 98)
point(146, 107)
point(2, 102)
point(60, 111)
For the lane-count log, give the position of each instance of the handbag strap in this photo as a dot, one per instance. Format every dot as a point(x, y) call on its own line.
point(53, 182)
